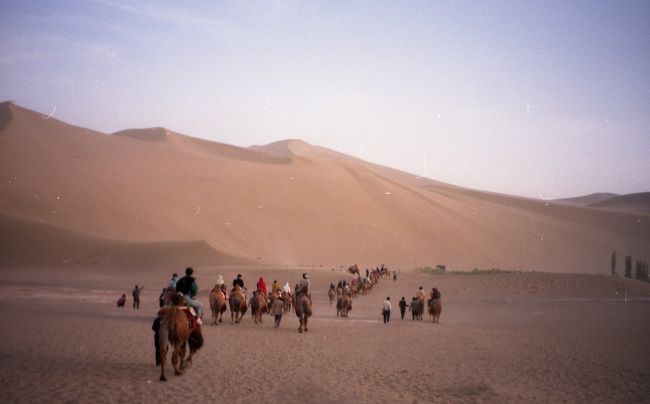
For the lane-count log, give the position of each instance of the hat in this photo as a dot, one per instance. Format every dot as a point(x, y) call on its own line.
point(306, 276)
point(220, 280)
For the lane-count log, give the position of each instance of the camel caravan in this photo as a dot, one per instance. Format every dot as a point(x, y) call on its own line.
point(179, 320)
point(344, 292)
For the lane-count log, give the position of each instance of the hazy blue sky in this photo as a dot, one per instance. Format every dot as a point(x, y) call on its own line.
point(546, 98)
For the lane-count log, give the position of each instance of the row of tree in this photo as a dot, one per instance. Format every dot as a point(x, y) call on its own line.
point(641, 270)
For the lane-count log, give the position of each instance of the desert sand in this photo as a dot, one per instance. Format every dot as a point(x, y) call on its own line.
point(85, 216)
point(502, 338)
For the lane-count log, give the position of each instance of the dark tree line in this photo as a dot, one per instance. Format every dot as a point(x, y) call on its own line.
point(641, 269)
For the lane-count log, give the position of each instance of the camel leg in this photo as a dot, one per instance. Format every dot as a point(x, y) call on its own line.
point(177, 370)
point(306, 323)
point(181, 355)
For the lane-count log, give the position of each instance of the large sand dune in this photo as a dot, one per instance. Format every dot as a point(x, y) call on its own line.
point(288, 203)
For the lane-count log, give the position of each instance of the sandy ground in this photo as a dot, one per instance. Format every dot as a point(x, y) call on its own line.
point(502, 338)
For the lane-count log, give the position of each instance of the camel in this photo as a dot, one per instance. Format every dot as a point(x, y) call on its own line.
point(288, 302)
point(176, 329)
point(343, 305)
point(259, 306)
point(303, 311)
point(238, 305)
point(331, 294)
point(417, 309)
point(354, 269)
point(217, 305)
point(435, 308)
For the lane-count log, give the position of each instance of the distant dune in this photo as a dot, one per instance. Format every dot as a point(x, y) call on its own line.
point(288, 203)
point(635, 203)
point(587, 199)
point(638, 203)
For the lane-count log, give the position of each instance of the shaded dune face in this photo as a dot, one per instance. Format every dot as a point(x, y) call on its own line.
point(290, 203)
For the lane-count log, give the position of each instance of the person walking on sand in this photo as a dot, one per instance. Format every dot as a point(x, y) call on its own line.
point(386, 310)
point(136, 296)
point(277, 309)
point(188, 287)
point(402, 307)
point(155, 327)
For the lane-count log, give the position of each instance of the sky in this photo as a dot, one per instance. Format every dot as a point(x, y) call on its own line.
point(540, 99)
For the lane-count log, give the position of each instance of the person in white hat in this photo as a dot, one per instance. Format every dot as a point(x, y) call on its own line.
point(222, 286)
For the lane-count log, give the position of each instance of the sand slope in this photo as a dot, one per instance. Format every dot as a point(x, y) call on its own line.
point(289, 203)
point(638, 203)
point(586, 199)
point(26, 244)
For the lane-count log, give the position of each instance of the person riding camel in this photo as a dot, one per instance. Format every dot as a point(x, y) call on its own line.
point(275, 289)
point(221, 286)
point(173, 281)
point(305, 286)
point(238, 282)
point(421, 295)
point(346, 289)
point(261, 289)
point(435, 295)
point(188, 288)
point(287, 289)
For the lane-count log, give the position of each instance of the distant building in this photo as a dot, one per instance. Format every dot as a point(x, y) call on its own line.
point(440, 268)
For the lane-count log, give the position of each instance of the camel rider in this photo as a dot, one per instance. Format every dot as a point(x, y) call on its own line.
point(221, 286)
point(261, 289)
point(435, 294)
point(287, 289)
point(275, 289)
point(188, 287)
point(261, 285)
point(173, 281)
point(238, 282)
point(304, 285)
point(421, 295)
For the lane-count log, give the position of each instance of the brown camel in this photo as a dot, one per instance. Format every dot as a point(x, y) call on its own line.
point(288, 302)
point(331, 294)
point(303, 311)
point(343, 305)
point(259, 306)
point(176, 329)
point(435, 308)
point(217, 305)
point(238, 305)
